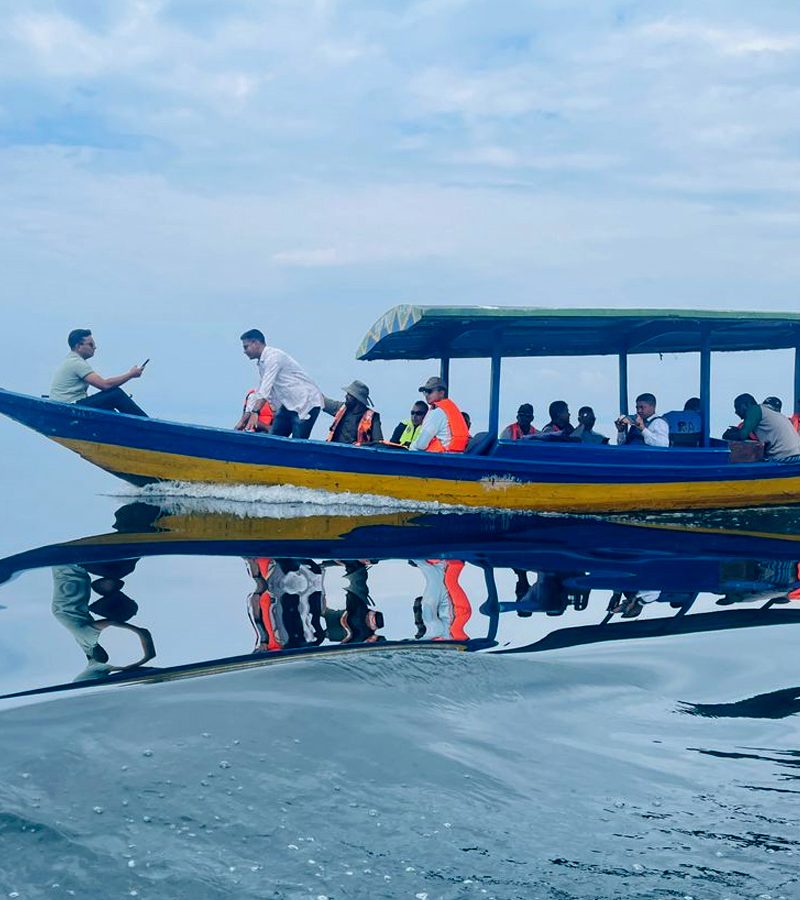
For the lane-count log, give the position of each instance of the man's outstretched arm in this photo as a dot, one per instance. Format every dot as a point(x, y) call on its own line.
point(105, 384)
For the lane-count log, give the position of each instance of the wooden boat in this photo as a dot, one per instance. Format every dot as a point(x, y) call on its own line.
point(581, 554)
point(521, 475)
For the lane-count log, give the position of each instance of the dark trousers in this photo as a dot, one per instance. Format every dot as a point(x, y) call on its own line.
point(287, 422)
point(114, 399)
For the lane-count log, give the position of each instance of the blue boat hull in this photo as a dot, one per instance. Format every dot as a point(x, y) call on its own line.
point(522, 476)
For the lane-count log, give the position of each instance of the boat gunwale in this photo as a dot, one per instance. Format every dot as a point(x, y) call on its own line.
point(647, 466)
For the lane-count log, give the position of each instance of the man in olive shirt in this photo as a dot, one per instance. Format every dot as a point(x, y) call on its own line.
point(775, 431)
point(74, 376)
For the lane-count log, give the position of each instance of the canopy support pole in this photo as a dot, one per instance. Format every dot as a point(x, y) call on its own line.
point(705, 388)
point(623, 383)
point(796, 407)
point(494, 397)
point(444, 370)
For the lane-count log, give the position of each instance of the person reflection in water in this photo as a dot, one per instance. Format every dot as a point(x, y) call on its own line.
point(360, 620)
point(72, 591)
point(551, 593)
point(753, 581)
point(286, 608)
point(288, 605)
point(259, 606)
point(443, 610)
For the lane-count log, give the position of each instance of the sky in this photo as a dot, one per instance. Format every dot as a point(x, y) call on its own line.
point(173, 172)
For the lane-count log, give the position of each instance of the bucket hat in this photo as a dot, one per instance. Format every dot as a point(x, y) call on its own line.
point(360, 391)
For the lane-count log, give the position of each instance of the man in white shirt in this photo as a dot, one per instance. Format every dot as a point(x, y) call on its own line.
point(647, 428)
point(284, 385)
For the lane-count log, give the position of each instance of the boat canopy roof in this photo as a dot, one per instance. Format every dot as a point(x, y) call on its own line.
point(459, 332)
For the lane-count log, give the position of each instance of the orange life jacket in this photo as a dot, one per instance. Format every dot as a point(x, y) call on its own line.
point(364, 431)
point(265, 414)
point(795, 594)
point(458, 429)
point(462, 609)
point(795, 420)
point(516, 432)
point(263, 623)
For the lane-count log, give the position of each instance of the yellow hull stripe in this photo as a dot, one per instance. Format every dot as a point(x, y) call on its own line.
point(221, 528)
point(542, 496)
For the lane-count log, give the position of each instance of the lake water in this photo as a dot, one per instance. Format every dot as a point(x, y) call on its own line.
point(344, 701)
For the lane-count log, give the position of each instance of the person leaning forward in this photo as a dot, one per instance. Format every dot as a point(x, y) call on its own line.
point(774, 430)
point(443, 428)
point(294, 397)
point(74, 376)
point(353, 420)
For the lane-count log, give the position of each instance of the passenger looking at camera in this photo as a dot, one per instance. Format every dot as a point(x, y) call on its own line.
point(521, 428)
point(645, 428)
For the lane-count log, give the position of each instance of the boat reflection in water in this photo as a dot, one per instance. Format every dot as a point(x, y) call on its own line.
point(320, 585)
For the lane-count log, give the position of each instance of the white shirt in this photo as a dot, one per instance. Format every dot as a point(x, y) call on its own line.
point(284, 383)
point(655, 433)
point(434, 425)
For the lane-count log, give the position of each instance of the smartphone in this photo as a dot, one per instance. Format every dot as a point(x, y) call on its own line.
point(145, 363)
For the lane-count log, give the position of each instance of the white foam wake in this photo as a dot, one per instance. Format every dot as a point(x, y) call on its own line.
point(279, 502)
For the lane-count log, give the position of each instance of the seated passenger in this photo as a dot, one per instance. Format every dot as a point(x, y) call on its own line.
point(353, 421)
point(646, 428)
point(585, 431)
point(775, 431)
point(265, 414)
point(74, 376)
point(559, 419)
point(444, 428)
point(794, 418)
point(686, 426)
point(405, 432)
point(522, 428)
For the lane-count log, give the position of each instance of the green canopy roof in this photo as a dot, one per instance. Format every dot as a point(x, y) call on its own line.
point(458, 332)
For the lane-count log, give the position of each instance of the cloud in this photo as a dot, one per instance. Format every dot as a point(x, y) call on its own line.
point(323, 256)
point(725, 40)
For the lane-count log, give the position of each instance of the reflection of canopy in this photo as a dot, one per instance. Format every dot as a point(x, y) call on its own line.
point(425, 332)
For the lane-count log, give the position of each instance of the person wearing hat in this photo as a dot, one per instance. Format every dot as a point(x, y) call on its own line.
point(444, 428)
point(522, 428)
point(353, 420)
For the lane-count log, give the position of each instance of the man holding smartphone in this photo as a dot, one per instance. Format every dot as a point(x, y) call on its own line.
point(74, 377)
point(646, 427)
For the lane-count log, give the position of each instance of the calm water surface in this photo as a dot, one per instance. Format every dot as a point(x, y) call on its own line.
point(404, 705)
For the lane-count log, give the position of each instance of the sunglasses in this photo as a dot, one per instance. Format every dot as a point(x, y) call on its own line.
point(417, 412)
